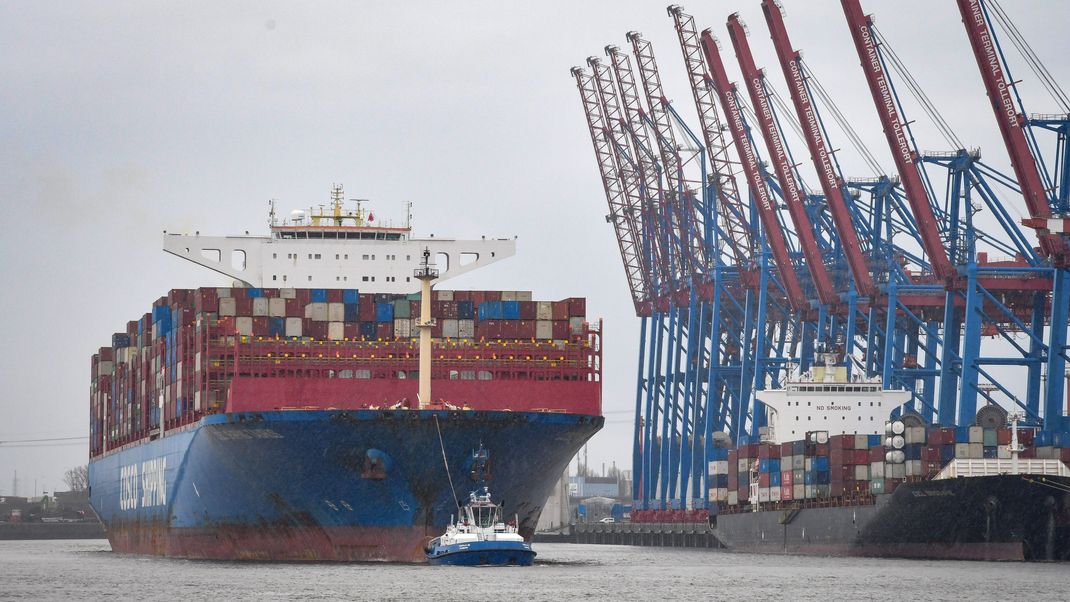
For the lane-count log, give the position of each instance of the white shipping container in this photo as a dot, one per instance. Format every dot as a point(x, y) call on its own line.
point(523, 295)
point(774, 493)
point(861, 441)
point(798, 462)
point(317, 312)
point(763, 494)
point(105, 368)
point(293, 327)
point(977, 451)
point(808, 491)
point(197, 401)
point(450, 329)
point(544, 310)
point(336, 331)
point(798, 492)
point(466, 329)
point(962, 450)
point(445, 295)
point(809, 464)
point(1046, 453)
point(718, 467)
point(733, 498)
point(876, 470)
point(895, 471)
point(1003, 452)
point(575, 325)
point(862, 472)
point(277, 308)
point(743, 465)
point(244, 325)
point(508, 295)
point(977, 434)
point(260, 306)
point(222, 292)
point(288, 293)
point(544, 329)
point(228, 306)
point(336, 312)
point(403, 328)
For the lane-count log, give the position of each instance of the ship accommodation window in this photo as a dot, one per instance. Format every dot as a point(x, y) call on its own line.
point(364, 257)
point(310, 278)
point(346, 256)
point(408, 258)
point(310, 255)
point(284, 277)
point(345, 278)
point(364, 279)
point(468, 375)
point(274, 256)
point(337, 278)
point(337, 256)
point(362, 373)
point(318, 256)
point(454, 375)
point(485, 375)
point(373, 278)
point(274, 277)
point(345, 374)
point(406, 278)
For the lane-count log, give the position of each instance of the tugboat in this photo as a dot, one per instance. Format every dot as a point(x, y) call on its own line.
point(479, 537)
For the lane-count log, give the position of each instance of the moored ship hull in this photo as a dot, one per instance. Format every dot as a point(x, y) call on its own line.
point(1004, 517)
point(324, 485)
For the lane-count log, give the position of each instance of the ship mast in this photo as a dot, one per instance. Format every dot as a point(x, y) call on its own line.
point(425, 274)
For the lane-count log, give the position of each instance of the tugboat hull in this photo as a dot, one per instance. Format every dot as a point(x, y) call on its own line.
point(483, 553)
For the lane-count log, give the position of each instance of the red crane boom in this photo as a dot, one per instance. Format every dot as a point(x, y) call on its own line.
point(726, 92)
point(894, 132)
point(1010, 127)
point(792, 192)
point(831, 184)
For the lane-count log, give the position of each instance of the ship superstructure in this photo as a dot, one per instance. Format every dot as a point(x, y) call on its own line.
point(335, 247)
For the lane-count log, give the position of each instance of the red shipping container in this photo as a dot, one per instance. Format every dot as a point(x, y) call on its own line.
point(839, 456)
point(750, 450)
point(935, 437)
point(786, 449)
point(744, 494)
point(577, 307)
point(367, 309)
point(462, 295)
point(226, 325)
point(385, 330)
point(492, 295)
point(1026, 437)
point(206, 300)
point(842, 441)
point(947, 435)
point(525, 329)
point(1003, 436)
point(476, 297)
point(239, 293)
point(1064, 454)
point(294, 309)
point(260, 327)
point(436, 330)
point(764, 451)
point(489, 329)
point(560, 310)
point(509, 329)
point(334, 295)
point(763, 479)
point(786, 493)
point(836, 489)
point(351, 330)
point(822, 449)
point(316, 330)
point(860, 456)
point(269, 293)
point(1028, 453)
point(527, 310)
point(243, 307)
point(786, 478)
point(414, 309)
point(876, 453)
point(560, 329)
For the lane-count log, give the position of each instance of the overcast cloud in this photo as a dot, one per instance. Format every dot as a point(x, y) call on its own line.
point(121, 120)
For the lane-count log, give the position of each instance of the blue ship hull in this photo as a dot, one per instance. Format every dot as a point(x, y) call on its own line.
point(324, 485)
point(483, 553)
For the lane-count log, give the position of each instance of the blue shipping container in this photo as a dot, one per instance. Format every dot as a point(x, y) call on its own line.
point(763, 465)
point(947, 453)
point(277, 327)
point(254, 293)
point(990, 452)
point(368, 330)
point(718, 480)
point(159, 313)
point(510, 310)
point(808, 478)
point(319, 295)
point(821, 463)
point(774, 479)
point(913, 451)
point(490, 310)
point(120, 340)
point(352, 312)
point(874, 440)
point(1042, 439)
point(719, 454)
point(962, 434)
point(384, 312)
point(774, 464)
point(465, 310)
point(822, 477)
point(351, 295)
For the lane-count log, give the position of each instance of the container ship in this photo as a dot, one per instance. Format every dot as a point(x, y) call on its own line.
point(831, 475)
point(266, 422)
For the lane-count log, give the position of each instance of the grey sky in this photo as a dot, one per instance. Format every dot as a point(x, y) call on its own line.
point(121, 120)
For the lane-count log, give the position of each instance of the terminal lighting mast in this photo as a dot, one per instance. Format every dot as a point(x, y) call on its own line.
point(425, 274)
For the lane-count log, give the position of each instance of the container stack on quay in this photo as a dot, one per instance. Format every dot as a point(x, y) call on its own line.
point(177, 362)
point(844, 468)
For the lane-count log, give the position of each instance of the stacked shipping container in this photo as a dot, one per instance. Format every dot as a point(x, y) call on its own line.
point(844, 469)
point(177, 362)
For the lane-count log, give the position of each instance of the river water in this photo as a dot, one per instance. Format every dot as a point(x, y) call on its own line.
point(88, 570)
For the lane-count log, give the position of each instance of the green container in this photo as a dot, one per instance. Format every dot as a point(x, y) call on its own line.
point(989, 438)
point(402, 309)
